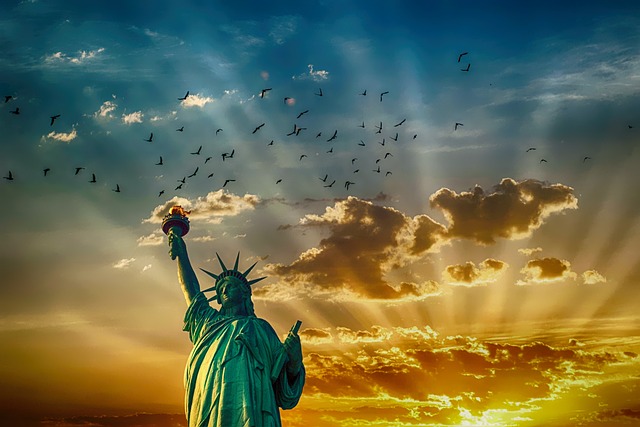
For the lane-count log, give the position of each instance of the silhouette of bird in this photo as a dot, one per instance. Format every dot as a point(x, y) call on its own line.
point(295, 128)
point(93, 178)
point(53, 119)
point(160, 162)
point(179, 187)
point(160, 193)
point(387, 155)
point(210, 175)
point(457, 125)
point(319, 135)
point(466, 69)
point(299, 130)
point(183, 180)
point(301, 114)
point(461, 55)
point(218, 130)
point(228, 155)
point(263, 92)
point(399, 124)
point(181, 129)
point(117, 189)
point(394, 138)
point(271, 143)
point(382, 94)
point(9, 177)
point(378, 161)
point(228, 181)
point(197, 152)
point(356, 171)
point(194, 172)
point(377, 170)
point(362, 125)
point(330, 150)
point(150, 138)
point(319, 93)
point(530, 149)
point(185, 97)
point(630, 127)
point(286, 98)
point(302, 156)
point(46, 171)
point(279, 181)
point(330, 185)
point(207, 159)
point(543, 160)
point(379, 128)
point(388, 173)
point(7, 98)
point(257, 128)
point(364, 93)
point(415, 136)
point(585, 159)
point(335, 134)
point(382, 143)
point(353, 160)
point(16, 111)
point(78, 170)
point(325, 178)
point(361, 143)
point(347, 184)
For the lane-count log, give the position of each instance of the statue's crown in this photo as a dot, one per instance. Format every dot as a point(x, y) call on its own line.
point(233, 272)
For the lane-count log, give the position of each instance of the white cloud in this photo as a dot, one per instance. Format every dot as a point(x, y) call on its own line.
point(196, 100)
point(153, 239)
point(146, 267)
point(592, 277)
point(63, 137)
point(106, 109)
point(135, 117)
point(316, 76)
point(123, 263)
point(81, 57)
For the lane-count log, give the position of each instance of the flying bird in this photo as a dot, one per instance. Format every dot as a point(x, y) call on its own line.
point(7, 98)
point(286, 98)
point(185, 97)
point(364, 93)
point(228, 155)
point(78, 170)
point(197, 152)
point(161, 193)
point(264, 91)
point(9, 177)
point(279, 181)
point(183, 180)
point(466, 69)
point(400, 124)
point(347, 184)
point(228, 181)
point(330, 185)
point(271, 143)
point(207, 159)
point(530, 149)
point(218, 130)
point(461, 55)
point(382, 94)
point(353, 160)
point(302, 156)
point(304, 112)
point(179, 187)
point(388, 173)
point(543, 160)
point(325, 178)
point(387, 155)
point(585, 159)
point(295, 128)
point(382, 143)
point(16, 111)
point(46, 171)
point(356, 171)
point(394, 138)
point(150, 138)
point(457, 125)
point(53, 119)
point(299, 130)
point(194, 172)
point(335, 134)
point(330, 150)
point(93, 178)
point(319, 135)
point(362, 125)
point(361, 143)
point(377, 170)
point(257, 128)
point(210, 175)
point(117, 189)
point(319, 93)
point(180, 129)
point(160, 162)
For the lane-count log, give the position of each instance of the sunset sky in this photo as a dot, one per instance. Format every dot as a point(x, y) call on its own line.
point(447, 196)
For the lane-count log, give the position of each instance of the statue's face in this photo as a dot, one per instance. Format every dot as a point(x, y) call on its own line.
point(231, 292)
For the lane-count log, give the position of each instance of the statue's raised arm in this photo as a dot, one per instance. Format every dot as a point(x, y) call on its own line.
point(175, 225)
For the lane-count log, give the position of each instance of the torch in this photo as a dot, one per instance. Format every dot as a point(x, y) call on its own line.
point(176, 222)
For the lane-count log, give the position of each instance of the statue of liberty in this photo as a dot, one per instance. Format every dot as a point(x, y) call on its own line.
point(239, 372)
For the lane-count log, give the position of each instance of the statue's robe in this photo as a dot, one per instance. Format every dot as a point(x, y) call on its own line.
point(236, 374)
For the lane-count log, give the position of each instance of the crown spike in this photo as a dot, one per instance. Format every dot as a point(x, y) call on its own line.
point(235, 266)
point(224, 267)
point(251, 282)
point(213, 288)
point(246, 273)
point(212, 298)
point(215, 276)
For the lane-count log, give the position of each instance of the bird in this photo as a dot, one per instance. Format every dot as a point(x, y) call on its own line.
point(319, 93)
point(466, 69)
point(461, 55)
point(295, 128)
point(9, 177)
point(356, 171)
point(46, 171)
point(325, 178)
point(183, 180)
point(185, 97)
point(179, 187)
point(387, 155)
point(228, 155)
point(16, 111)
point(197, 152)
point(299, 130)
point(160, 162)
point(382, 143)
point(330, 185)
point(218, 130)
point(210, 175)
point(382, 94)
point(7, 98)
point(361, 143)
point(630, 127)
point(543, 160)
point(304, 112)
point(457, 125)
point(379, 128)
point(271, 143)
point(93, 178)
point(364, 93)
point(264, 91)
point(362, 125)
point(117, 189)
point(319, 135)
point(207, 159)
point(394, 138)
point(302, 156)
point(530, 149)
point(161, 193)
point(377, 170)
point(415, 136)
point(388, 173)
point(150, 138)
point(330, 150)
point(378, 161)
point(286, 98)
point(585, 159)
point(353, 160)
point(228, 181)
point(78, 170)
point(53, 119)
point(335, 134)
point(347, 184)
point(257, 128)
point(194, 172)
point(180, 129)
point(399, 124)
point(279, 181)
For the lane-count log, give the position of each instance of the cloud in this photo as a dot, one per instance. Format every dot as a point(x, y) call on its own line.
point(123, 263)
point(529, 251)
point(314, 336)
point(546, 270)
point(209, 208)
point(146, 267)
point(316, 76)
point(376, 334)
point(513, 210)
point(105, 110)
point(81, 57)
point(153, 239)
point(196, 100)
point(63, 137)
point(489, 271)
point(592, 277)
point(135, 117)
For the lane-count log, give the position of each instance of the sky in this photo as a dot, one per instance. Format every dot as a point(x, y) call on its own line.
point(445, 194)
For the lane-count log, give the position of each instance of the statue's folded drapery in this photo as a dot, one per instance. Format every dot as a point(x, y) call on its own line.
point(235, 375)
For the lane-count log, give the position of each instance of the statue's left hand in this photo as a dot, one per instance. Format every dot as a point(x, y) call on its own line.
point(294, 351)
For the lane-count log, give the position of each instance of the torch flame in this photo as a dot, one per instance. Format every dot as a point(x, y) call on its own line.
point(177, 210)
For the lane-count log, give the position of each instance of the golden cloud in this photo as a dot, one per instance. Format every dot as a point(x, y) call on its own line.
point(546, 270)
point(513, 210)
point(592, 277)
point(489, 271)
